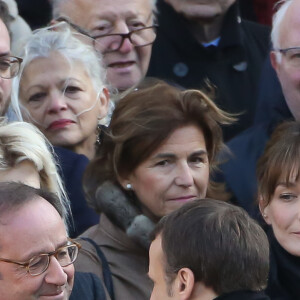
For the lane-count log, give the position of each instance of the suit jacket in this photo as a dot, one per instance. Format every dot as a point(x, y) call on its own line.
point(87, 286)
point(233, 66)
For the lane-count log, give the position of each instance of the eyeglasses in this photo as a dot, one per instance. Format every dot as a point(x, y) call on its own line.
point(38, 264)
point(113, 42)
point(9, 66)
point(292, 56)
point(72, 25)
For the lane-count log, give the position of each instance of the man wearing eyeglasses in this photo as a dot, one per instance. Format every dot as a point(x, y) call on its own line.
point(36, 255)
point(123, 31)
point(239, 171)
point(9, 65)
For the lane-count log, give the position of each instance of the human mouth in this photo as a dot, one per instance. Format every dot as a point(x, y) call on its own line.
point(121, 65)
point(59, 295)
point(58, 124)
point(183, 198)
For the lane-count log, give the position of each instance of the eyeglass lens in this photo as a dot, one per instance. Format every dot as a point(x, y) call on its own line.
point(65, 256)
point(293, 57)
point(113, 42)
point(9, 67)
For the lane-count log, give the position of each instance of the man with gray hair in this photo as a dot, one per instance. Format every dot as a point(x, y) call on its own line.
point(239, 171)
point(123, 31)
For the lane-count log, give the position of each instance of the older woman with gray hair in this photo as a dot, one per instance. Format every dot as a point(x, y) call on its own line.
point(61, 89)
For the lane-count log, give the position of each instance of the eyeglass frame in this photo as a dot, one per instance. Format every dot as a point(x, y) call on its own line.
point(73, 25)
point(285, 50)
point(52, 253)
point(126, 36)
point(94, 38)
point(19, 60)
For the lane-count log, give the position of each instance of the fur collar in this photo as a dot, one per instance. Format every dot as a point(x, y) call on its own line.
point(121, 210)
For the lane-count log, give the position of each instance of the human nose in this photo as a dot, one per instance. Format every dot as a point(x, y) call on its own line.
point(126, 45)
point(184, 176)
point(57, 102)
point(55, 273)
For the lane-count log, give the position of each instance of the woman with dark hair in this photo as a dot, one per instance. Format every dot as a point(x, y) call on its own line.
point(157, 154)
point(278, 173)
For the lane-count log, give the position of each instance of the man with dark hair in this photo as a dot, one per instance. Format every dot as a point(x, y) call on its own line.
point(36, 255)
point(209, 249)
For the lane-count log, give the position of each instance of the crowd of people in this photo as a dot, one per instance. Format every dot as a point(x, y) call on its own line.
point(149, 149)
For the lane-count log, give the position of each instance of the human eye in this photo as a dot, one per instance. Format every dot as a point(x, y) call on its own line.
point(163, 163)
point(71, 89)
point(287, 196)
point(36, 263)
point(198, 160)
point(62, 253)
point(102, 29)
point(4, 65)
point(293, 56)
point(37, 97)
point(136, 24)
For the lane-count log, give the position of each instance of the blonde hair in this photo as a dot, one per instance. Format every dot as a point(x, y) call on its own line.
point(21, 141)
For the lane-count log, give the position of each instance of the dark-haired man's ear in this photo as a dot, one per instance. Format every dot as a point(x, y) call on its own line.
point(184, 283)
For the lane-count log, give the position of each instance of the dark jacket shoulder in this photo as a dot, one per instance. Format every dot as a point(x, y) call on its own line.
point(87, 286)
point(72, 167)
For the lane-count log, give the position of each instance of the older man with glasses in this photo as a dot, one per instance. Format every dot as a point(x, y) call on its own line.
point(36, 255)
point(239, 171)
point(123, 31)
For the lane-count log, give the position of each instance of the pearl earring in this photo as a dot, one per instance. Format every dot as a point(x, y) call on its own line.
point(128, 186)
point(264, 215)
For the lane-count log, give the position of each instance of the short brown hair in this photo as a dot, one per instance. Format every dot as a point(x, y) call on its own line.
point(143, 120)
point(223, 247)
point(281, 159)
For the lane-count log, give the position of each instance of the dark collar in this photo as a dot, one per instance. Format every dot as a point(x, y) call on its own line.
point(284, 277)
point(243, 295)
point(181, 37)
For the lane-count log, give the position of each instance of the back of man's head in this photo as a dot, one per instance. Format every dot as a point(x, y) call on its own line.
point(224, 248)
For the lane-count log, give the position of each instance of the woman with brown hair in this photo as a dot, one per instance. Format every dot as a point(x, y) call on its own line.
point(157, 154)
point(278, 173)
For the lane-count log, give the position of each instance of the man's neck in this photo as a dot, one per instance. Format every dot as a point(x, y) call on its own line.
point(205, 32)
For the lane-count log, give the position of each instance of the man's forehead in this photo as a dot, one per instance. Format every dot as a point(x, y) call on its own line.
point(289, 34)
point(77, 10)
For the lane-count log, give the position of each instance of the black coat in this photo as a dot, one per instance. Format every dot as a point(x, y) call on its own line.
point(87, 286)
point(72, 167)
point(243, 295)
point(233, 67)
point(239, 170)
point(284, 277)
